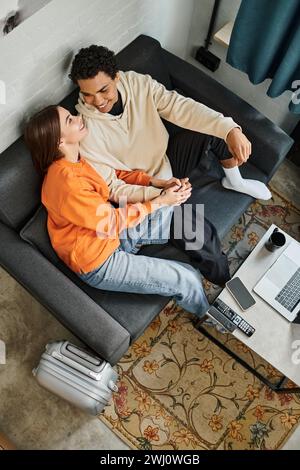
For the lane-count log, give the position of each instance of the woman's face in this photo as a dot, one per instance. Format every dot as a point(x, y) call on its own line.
point(72, 128)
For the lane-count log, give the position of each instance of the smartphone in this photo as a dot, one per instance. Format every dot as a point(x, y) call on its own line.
point(240, 293)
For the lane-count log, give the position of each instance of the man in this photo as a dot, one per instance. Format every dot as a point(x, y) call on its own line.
point(123, 113)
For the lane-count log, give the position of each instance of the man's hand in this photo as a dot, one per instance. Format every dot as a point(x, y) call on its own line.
point(164, 184)
point(160, 183)
point(238, 145)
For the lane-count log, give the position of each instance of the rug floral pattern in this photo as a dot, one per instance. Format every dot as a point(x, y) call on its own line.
point(178, 390)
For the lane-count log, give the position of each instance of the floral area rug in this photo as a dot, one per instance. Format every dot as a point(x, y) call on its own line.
point(178, 390)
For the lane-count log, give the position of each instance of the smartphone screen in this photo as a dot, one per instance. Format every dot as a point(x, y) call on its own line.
point(240, 292)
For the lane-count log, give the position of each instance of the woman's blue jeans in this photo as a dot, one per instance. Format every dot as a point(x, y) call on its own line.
point(123, 271)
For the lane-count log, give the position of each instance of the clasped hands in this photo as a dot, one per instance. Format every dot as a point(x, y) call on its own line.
point(181, 186)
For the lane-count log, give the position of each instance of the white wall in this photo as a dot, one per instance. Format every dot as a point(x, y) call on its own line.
point(35, 57)
point(176, 18)
point(6, 6)
point(275, 109)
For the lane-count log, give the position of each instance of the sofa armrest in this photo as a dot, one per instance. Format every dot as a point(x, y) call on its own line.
point(270, 144)
point(66, 301)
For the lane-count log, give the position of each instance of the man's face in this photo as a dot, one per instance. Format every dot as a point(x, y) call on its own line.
point(100, 91)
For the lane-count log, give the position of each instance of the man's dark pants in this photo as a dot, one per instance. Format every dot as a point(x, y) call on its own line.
point(190, 154)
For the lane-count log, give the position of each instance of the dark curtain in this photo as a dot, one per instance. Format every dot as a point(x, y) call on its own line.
point(265, 43)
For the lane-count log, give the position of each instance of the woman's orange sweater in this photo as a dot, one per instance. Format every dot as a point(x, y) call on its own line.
point(83, 225)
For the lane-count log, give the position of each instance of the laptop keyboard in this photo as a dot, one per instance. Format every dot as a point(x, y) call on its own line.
point(289, 296)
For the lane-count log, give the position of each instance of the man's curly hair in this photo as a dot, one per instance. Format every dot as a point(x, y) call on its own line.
point(90, 61)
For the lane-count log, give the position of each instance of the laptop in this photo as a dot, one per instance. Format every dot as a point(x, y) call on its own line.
point(280, 285)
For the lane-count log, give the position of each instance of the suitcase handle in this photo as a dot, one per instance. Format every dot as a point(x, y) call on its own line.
point(80, 353)
point(75, 365)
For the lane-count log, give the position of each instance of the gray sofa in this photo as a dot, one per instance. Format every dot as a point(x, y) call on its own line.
point(105, 321)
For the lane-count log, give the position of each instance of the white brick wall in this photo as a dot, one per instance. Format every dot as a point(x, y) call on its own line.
point(36, 56)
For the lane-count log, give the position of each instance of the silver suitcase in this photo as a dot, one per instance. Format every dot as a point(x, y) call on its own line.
point(79, 377)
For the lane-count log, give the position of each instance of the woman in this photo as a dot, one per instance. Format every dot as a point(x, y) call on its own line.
point(97, 241)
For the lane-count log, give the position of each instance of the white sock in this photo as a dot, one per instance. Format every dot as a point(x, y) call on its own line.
point(233, 180)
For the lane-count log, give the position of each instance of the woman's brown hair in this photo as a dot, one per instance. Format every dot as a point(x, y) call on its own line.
point(42, 136)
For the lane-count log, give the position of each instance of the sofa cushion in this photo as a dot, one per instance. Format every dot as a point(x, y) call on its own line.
point(144, 55)
point(70, 101)
point(35, 232)
point(19, 186)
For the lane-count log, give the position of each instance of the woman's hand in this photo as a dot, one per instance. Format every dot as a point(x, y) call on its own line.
point(184, 183)
point(174, 196)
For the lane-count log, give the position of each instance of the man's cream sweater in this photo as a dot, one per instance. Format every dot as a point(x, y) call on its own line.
point(137, 138)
